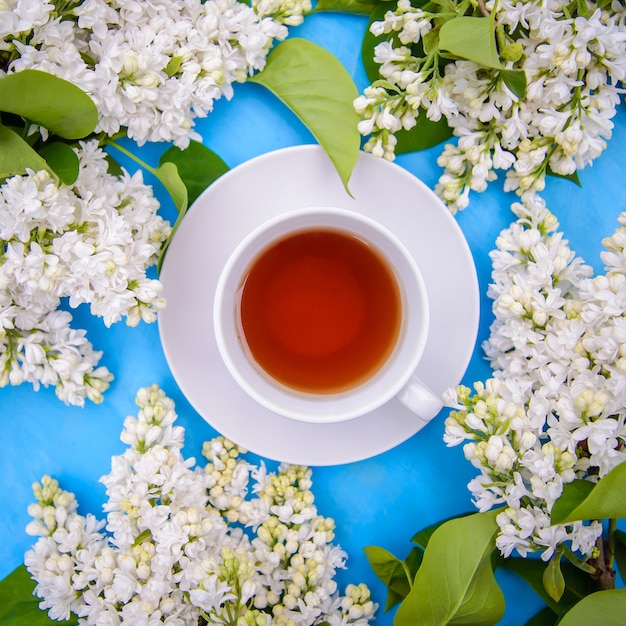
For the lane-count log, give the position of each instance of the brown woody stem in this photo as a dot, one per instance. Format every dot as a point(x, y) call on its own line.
point(604, 574)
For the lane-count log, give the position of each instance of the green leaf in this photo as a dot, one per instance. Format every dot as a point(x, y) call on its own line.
point(578, 584)
point(455, 583)
point(16, 155)
point(370, 41)
point(173, 65)
point(573, 494)
point(545, 617)
point(603, 607)
point(391, 572)
point(318, 89)
point(114, 167)
point(515, 80)
point(62, 160)
point(620, 551)
point(582, 8)
point(141, 537)
point(605, 500)
point(360, 7)
point(471, 38)
point(414, 560)
point(571, 177)
point(18, 605)
point(50, 101)
point(396, 574)
point(167, 173)
point(552, 579)
point(422, 537)
point(430, 41)
point(425, 134)
point(197, 166)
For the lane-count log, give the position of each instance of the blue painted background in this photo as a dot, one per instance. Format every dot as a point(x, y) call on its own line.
point(381, 501)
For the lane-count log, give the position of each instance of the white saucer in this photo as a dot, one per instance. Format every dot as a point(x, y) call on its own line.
point(250, 194)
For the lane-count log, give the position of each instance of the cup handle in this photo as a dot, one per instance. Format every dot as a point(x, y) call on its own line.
point(417, 397)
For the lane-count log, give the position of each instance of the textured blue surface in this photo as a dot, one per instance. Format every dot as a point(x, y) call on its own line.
point(381, 501)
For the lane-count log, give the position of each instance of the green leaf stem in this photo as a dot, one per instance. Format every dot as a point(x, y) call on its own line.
point(50, 101)
point(606, 607)
point(455, 583)
point(317, 88)
point(604, 500)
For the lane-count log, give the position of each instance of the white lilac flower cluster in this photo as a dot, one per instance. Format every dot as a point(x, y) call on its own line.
point(556, 407)
point(190, 545)
point(90, 242)
point(150, 67)
point(573, 55)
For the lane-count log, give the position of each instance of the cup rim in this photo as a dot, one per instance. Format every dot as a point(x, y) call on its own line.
point(330, 407)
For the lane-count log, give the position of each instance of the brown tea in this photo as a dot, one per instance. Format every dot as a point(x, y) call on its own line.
point(320, 310)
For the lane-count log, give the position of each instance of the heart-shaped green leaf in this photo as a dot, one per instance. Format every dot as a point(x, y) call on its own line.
point(578, 584)
point(396, 574)
point(167, 173)
point(545, 617)
point(360, 7)
point(471, 38)
point(370, 41)
point(604, 500)
point(18, 605)
point(317, 88)
point(455, 583)
point(50, 101)
point(607, 608)
point(197, 166)
point(422, 537)
point(515, 80)
point(574, 177)
point(62, 160)
point(16, 155)
point(425, 134)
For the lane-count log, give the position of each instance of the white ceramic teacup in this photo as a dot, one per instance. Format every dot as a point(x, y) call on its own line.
point(396, 377)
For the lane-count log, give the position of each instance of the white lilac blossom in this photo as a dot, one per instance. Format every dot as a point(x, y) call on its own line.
point(555, 408)
point(228, 543)
point(574, 59)
point(150, 67)
point(91, 243)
